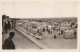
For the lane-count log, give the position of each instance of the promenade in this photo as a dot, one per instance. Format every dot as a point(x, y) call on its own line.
point(20, 41)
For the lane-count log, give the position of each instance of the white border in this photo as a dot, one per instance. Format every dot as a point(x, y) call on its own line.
point(45, 50)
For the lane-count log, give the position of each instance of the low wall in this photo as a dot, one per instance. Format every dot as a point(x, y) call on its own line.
point(26, 34)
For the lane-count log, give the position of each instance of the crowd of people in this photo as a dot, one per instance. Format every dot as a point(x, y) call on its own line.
point(8, 43)
point(41, 30)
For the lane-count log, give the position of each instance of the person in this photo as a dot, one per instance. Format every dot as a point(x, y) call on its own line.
point(8, 43)
point(54, 36)
point(15, 23)
point(9, 25)
point(43, 29)
point(5, 27)
point(61, 32)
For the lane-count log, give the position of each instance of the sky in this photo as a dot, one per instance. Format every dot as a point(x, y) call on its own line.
point(39, 8)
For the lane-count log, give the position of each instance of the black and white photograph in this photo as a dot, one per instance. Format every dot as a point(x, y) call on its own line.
point(39, 33)
point(38, 24)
